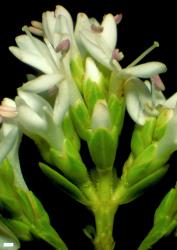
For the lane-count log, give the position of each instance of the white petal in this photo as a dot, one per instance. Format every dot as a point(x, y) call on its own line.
point(171, 102)
point(48, 22)
point(36, 61)
point(168, 143)
point(137, 94)
point(24, 42)
point(95, 46)
point(61, 103)
point(34, 101)
point(91, 71)
point(32, 45)
point(42, 83)
point(60, 10)
point(109, 33)
point(146, 70)
point(31, 121)
point(62, 25)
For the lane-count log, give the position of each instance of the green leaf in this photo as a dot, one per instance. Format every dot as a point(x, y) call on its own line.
point(68, 186)
point(48, 234)
point(168, 206)
point(102, 147)
point(134, 191)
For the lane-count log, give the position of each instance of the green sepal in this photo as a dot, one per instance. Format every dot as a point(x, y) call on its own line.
point(81, 119)
point(145, 164)
point(116, 108)
point(47, 233)
point(70, 164)
point(162, 122)
point(6, 235)
point(20, 228)
point(70, 132)
point(38, 220)
point(164, 220)
point(65, 184)
point(7, 189)
point(131, 193)
point(102, 146)
point(44, 149)
point(33, 210)
point(77, 70)
point(168, 206)
point(6, 172)
point(92, 93)
point(164, 228)
point(142, 136)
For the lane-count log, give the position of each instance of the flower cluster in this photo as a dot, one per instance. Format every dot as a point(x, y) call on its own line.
point(80, 91)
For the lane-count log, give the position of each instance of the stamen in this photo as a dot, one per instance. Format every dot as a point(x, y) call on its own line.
point(36, 31)
point(118, 18)
point(96, 29)
point(7, 112)
point(63, 46)
point(156, 80)
point(117, 55)
point(145, 53)
point(36, 24)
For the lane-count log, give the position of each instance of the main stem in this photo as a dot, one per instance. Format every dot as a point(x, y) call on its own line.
point(104, 219)
point(104, 211)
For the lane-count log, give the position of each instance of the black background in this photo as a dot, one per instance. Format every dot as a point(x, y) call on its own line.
point(143, 22)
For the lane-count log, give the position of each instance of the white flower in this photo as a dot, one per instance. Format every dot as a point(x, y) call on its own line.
point(98, 39)
point(35, 117)
point(142, 100)
point(41, 56)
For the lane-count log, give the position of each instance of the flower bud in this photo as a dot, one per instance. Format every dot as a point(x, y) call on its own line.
point(162, 122)
point(101, 116)
point(93, 84)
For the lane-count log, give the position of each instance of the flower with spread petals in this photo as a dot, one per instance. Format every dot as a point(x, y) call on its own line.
point(97, 39)
point(139, 101)
point(36, 118)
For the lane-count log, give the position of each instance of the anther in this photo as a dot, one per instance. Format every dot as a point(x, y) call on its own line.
point(96, 28)
point(63, 46)
point(118, 18)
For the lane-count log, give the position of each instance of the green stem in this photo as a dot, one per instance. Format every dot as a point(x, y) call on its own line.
point(103, 203)
point(104, 211)
point(104, 219)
